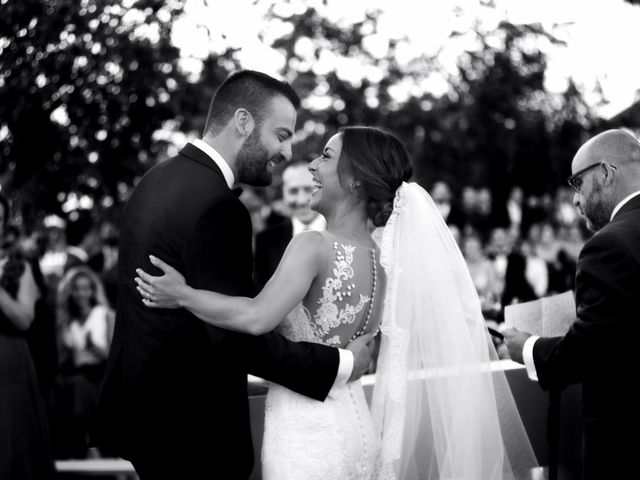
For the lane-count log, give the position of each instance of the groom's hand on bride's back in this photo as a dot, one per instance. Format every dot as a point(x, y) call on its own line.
point(362, 348)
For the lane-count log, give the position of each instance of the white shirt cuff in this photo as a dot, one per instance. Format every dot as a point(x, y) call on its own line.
point(527, 357)
point(344, 370)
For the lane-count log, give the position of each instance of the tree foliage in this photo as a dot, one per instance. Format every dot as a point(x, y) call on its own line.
point(87, 88)
point(496, 126)
point(83, 86)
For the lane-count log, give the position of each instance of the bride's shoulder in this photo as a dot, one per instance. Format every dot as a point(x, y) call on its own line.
point(310, 239)
point(309, 243)
point(306, 248)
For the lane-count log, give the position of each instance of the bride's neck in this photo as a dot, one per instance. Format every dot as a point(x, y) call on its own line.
point(349, 221)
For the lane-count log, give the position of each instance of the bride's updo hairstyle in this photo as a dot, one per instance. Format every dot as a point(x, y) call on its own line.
point(379, 162)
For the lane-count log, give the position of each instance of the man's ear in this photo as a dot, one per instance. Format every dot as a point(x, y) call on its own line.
point(244, 122)
point(609, 172)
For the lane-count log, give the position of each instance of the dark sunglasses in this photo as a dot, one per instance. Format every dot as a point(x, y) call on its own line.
point(575, 180)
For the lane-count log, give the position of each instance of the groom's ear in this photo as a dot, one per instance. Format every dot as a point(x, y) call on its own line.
point(243, 122)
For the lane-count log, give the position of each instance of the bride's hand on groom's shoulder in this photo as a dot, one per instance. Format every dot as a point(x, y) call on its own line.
point(164, 291)
point(362, 348)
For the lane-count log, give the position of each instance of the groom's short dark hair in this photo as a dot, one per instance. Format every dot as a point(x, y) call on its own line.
point(246, 89)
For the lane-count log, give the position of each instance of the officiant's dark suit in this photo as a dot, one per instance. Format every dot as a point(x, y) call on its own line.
point(600, 351)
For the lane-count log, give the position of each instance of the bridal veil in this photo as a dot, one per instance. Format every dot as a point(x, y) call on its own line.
point(440, 409)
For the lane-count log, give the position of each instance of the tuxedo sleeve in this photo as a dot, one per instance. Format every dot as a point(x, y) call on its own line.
point(260, 260)
point(217, 256)
point(605, 303)
point(306, 368)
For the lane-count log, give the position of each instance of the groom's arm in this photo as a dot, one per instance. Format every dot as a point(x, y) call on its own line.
point(274, 358)
point(217, 256)
point(310, 369)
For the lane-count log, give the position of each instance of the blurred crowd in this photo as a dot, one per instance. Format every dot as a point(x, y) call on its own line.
point(74, 264)
point(68, 325)
point(530, 255)
point(525, 254)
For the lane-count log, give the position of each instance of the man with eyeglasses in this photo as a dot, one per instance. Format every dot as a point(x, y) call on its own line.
point(600, 351)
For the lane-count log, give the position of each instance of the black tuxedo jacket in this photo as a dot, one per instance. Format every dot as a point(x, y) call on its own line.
point(270, 246)
point(600, 351)
point(174, 399)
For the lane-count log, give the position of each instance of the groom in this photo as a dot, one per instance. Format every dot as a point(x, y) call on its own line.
point(174, 399)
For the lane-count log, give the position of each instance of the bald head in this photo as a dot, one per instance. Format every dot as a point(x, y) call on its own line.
point(608, 170)
point(613, 146)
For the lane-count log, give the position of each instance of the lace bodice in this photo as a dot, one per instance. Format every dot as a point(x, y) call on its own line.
point(334, 439)
point(343, 301)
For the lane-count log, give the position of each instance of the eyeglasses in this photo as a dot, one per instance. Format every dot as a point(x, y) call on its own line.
point(575, 180)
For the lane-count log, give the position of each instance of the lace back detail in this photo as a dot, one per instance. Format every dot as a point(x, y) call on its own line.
point(337, 290)
point(338, 309)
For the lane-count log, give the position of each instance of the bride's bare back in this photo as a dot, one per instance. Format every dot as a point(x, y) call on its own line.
point(345, 298)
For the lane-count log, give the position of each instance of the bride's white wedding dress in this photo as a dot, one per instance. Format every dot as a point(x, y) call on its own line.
point(439, 411)
point(305, 439)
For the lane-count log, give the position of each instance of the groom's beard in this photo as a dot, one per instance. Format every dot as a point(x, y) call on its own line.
point(252, 161)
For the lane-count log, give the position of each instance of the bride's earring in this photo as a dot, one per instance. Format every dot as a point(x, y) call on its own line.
point(351, 187)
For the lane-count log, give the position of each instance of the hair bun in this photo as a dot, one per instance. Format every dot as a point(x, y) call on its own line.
point(379, 211)
point(380, 162)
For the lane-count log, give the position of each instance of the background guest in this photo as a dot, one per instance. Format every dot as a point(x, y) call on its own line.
point(536, 269)
point(25, 449)
point(483, 274)
point(297, 187)
point(85, 323)
point(517, 288)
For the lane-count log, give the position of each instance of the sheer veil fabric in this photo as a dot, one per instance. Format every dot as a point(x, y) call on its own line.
point(440, 410)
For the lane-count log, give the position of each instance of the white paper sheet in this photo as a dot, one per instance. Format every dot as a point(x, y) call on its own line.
point(547, 317)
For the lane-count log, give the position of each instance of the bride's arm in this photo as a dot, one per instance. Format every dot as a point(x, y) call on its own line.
point(288, 286)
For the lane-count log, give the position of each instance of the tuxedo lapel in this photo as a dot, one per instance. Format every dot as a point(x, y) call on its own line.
point(194, 153)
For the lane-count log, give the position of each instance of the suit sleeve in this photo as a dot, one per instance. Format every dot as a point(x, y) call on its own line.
point(218, 257)
point(260, 260)
point(605, 301)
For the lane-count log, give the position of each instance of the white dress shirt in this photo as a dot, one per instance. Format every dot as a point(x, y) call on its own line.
point(213, 154)
point(318, 224)
point(345, 368)
point(527, 349)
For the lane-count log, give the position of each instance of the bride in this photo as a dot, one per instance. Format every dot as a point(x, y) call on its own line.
point(437, 411)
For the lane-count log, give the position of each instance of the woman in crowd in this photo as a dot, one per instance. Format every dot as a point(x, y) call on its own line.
point(85, 322)
point(25, 449)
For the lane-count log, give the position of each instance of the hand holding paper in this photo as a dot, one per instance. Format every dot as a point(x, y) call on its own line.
point(546, 317)
point(514, 340)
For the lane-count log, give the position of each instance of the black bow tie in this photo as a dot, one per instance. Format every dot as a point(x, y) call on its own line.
point(237, 191)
